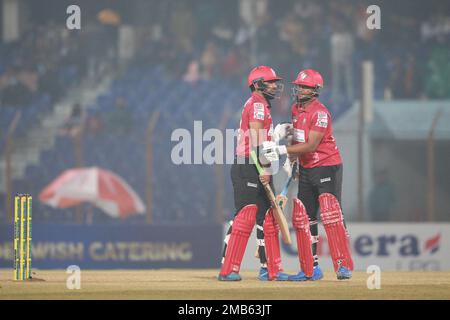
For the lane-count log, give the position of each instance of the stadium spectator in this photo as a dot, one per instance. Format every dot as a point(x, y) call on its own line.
point(94, 124)
point(292, 31)
point(13, 91)
point(209, 61)
point(437, 27)
point(411, 87)
point(232, 65)
point(120, 120)
point(244, 33)
point(192, 74)
point(342, 46)
point(73, 126)
point(438, 82)
point(223, 33)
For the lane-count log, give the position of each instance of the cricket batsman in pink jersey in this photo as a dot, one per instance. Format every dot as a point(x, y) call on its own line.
point(250, 200)
point(320, 181)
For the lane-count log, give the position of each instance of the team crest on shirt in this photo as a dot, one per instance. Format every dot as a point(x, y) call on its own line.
point(258, 111)
point(322, 119)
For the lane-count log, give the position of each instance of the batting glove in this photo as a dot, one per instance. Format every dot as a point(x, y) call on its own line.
point(271, 151)
point(282, 131)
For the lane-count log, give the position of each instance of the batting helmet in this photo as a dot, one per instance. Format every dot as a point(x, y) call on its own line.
point(309, 78)
point(263, 73)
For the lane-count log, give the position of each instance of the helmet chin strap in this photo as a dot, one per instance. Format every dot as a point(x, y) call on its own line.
point(305, 99)
point(268, 95)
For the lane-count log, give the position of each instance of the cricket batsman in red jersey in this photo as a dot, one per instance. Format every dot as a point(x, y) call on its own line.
point(320, 181)
point(251, 202)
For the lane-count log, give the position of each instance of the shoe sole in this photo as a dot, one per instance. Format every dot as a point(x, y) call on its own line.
point(298, 280)
point(225, 279)
point(228, 280)
point(307, 279)
point(281, 280)
point(276, 279)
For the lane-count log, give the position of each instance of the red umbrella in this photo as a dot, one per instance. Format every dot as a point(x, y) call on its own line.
point(103, 188)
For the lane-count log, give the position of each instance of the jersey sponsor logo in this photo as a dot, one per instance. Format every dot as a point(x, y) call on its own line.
point(322, 115)
point(299, 135)
point(258, 111)
point(253, 185)
point(325, 180)
point(322, 119)
point(315, 157)
point(258, 116)
point(258, 106)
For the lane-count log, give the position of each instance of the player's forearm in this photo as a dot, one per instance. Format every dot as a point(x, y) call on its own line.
point(256, 141)
point(257, 136)
point(297, 149)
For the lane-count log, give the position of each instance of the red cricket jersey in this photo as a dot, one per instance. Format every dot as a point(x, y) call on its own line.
point(256, 109)
point(315, 117)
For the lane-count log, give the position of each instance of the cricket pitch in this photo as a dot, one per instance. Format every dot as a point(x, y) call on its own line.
point(168, 284)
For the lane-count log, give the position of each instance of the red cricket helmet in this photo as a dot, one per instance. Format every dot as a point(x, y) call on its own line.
point(263, 73)
point(309, 78)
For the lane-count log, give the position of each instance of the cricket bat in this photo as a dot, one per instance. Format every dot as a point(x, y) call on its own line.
point(285, 190)
point(277, 212)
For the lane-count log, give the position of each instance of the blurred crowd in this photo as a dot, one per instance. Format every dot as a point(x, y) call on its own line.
point(195, 43)
point(44, 60)
point(49, 59)
point(223, 40)
point(119, 121)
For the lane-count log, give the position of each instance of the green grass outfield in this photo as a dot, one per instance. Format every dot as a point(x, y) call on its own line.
point(202, 284)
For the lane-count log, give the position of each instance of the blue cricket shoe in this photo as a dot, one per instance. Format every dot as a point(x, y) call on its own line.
point(264, 275)
point(343, 273)
point(230, 277)
point(317, 275)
